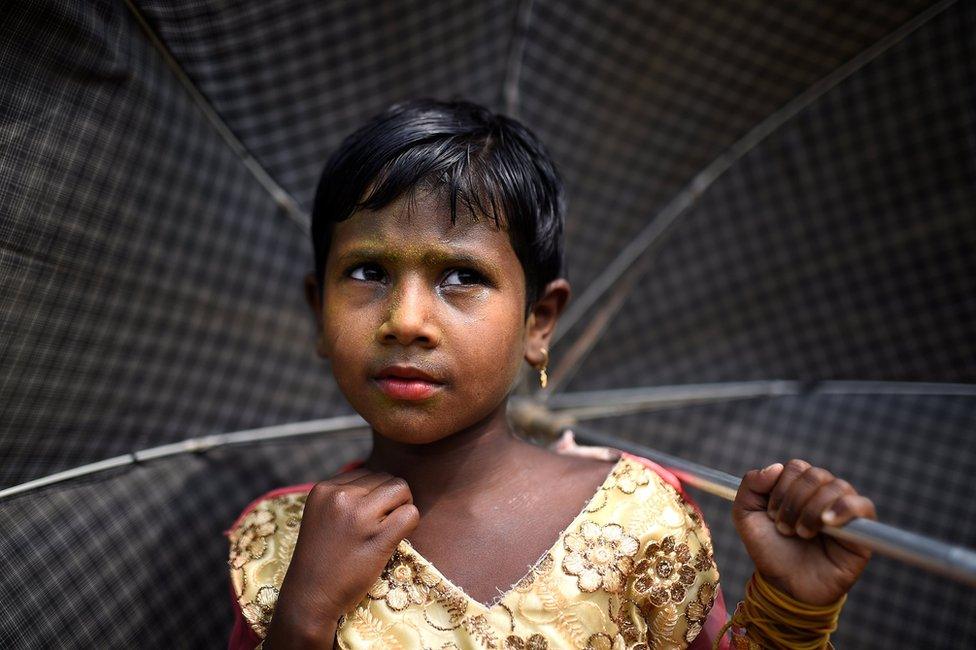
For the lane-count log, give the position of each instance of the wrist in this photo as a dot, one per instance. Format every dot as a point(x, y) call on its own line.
point(778, 584)
point(771, 618)
point(294, 629)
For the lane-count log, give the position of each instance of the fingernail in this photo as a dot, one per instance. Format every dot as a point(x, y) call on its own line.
point(803, 531)
point(829, 517)
point(784, 529)
point(771, 514)
point(769, 467)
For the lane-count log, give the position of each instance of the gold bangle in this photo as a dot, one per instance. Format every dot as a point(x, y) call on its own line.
point(769, 618)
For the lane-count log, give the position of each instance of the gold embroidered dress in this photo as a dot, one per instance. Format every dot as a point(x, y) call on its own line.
point(634, 569)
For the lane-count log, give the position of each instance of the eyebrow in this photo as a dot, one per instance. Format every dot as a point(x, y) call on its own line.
point(435, 257)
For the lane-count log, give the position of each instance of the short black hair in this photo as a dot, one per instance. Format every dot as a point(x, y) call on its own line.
point(490, 163)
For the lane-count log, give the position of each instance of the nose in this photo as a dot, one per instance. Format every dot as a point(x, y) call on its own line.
point(410, 317)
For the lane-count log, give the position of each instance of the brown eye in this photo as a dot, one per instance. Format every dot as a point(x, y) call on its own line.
point(366, 273)
point(462, 277)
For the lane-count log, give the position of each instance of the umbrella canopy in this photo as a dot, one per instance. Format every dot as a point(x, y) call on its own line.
point(757, 191)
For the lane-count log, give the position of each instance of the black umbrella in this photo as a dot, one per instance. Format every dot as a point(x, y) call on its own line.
point(759, 192)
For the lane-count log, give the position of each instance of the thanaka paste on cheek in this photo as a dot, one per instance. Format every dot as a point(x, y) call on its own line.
point(482, 323)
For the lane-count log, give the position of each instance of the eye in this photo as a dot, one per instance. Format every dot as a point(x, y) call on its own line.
point(463, 277)
point(366, 273)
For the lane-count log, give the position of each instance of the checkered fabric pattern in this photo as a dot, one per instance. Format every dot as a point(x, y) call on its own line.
point(292, 79)
point(151, 289)
point(839, 248)
point(137, 559)
point(910, 453)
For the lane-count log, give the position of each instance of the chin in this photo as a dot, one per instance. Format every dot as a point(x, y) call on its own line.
point(410, 435)
point(420, 426)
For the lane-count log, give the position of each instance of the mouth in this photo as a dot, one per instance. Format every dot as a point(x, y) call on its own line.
point(408, 383)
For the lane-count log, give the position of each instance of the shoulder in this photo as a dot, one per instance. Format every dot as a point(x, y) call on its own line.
point(674, 579)
point(262, 540)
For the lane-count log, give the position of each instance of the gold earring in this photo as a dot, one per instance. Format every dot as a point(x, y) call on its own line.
point(543, 377)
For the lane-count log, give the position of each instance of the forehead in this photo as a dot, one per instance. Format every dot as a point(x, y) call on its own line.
point(420, 223)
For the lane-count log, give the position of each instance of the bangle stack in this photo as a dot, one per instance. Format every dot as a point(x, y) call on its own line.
point(768, 618)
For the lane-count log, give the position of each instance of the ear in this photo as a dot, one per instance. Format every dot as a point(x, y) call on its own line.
point(542, 319)
point(312, 298)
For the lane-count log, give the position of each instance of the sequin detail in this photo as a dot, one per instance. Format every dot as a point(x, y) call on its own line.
point(532, 642)
point(600, 556)
point(404, 581)
point(590, 589)
point(627, 477)
point(250, 540)
point(664, 572)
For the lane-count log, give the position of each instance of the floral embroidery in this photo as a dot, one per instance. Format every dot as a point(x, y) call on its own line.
point(452, 607)
point(703, 558)
point(294, 511)
point(404, 581)
point(250, 540)
point(533, 642)
point(540, 569)
point(597, 502)
point(697, 610)
point(601, 641)
point(625, 624)
point(260, 610)
point(627, 477)
point(662, 627)
point(479, 628)
point(664, 573)
point(586, 591)
point(599, 556)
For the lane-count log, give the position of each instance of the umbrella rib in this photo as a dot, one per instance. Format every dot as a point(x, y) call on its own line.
point(661, 224)
point(281, 197)
point(587, 405)
point(341, 424)
point(513, 71)
point(949, 560)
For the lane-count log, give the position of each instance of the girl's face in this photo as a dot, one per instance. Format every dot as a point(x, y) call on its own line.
point(423, 319)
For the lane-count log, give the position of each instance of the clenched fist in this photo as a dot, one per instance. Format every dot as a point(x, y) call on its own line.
point(779, 513)
point(351, 525)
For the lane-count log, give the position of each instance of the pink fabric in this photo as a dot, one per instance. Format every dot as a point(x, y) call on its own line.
point(243, 637)
point(718, 614)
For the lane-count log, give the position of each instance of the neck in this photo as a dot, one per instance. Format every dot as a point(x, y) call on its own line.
point(468, 461)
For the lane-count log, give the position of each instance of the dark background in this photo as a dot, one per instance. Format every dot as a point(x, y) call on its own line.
point(150, 281)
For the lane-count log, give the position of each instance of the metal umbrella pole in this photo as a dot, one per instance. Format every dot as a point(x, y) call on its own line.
point(952, 561)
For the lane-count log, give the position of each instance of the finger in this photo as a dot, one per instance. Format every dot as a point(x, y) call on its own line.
point(348, 477)
point(842, 511)
point(370, 481)
point(795, 499)
point(847, 507)
point(810, 520)
point(790, 473)
point(397, 525)
point(388, 496)
point(754, 488)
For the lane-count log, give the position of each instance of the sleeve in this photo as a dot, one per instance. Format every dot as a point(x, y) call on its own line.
point(262, 541)
point(242, 636)
point(675, 583)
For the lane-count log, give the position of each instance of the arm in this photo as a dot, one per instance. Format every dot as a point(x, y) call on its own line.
point(334, 543)
point(802, 577)
point(290, 629)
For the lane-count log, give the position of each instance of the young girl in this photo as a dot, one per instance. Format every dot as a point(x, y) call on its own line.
point(437, 233)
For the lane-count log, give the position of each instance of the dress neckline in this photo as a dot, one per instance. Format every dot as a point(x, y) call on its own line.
point(502, 595)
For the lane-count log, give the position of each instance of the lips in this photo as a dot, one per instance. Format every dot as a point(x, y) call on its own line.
point(409, 383)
